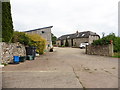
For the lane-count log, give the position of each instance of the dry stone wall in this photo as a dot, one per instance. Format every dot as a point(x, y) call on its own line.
point(8, 50)
point(103, 50)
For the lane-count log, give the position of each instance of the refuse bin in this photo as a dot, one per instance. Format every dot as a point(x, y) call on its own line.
point(31, 51)
point(22, 58)
point(16, 59)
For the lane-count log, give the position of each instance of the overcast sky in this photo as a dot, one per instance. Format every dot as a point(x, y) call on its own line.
point(66, 16)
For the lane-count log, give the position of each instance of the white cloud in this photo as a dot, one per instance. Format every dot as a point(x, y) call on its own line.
point(66, 16)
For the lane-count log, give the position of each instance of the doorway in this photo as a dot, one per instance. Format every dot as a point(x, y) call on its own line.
point(71, 42)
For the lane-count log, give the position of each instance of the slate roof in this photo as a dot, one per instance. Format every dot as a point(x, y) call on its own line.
point(39, 29)
point(85, 34)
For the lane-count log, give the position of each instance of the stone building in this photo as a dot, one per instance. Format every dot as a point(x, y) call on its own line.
point(77, 38)
point(44, 32)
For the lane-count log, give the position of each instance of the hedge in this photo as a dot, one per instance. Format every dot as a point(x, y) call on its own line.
point(107, 39)
point(22, 38)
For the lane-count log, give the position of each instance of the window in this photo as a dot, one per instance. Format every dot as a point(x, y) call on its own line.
point(43, 32)
point(83, 35)
point(68, 36)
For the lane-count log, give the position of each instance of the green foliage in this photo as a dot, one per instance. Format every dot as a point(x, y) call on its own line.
point(63, 45)
point(54, 38)
point(102, 41)
point(30, 40)
point(66, 43)
point(7, 24)
point(106, 40)
point(117, 55)
point(117, 44)
point(38, 42)
point(22, 38)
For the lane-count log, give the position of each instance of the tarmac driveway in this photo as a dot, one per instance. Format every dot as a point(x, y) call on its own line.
point(63, 68)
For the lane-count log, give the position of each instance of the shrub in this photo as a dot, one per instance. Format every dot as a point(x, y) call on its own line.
point(63, 45)
point(101, 42)
point(38, 42)
point(117, 44)
point(59, 45)
point(30, 40)
point(66, 43)
point(54, 38)
point(22, 38)
point(106, 40)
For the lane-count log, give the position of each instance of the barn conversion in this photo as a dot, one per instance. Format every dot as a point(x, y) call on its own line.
point(75, 39)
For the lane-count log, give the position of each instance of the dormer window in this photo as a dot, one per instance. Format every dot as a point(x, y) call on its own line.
point(68, 36)
point(83, 35)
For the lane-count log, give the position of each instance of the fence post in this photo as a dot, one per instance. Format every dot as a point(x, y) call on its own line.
point(111, 53)
point(86, 49)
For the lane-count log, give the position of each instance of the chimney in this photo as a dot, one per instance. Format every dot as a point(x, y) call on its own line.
point(77, 32)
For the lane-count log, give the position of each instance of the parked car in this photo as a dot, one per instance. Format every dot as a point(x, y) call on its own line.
point(83, 45)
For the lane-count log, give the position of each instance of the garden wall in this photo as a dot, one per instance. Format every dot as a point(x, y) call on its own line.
point(8, 50)
point(103, 50)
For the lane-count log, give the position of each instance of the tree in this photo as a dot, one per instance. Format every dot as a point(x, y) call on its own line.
point(0, 21)
point(54, 38)
point(66, 43)
point(7, 24)
point(103, 34)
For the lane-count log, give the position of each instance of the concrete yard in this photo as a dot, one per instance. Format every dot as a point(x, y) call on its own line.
point(63, 68)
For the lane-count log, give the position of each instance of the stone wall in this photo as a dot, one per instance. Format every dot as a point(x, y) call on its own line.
point(8, 50)
point(103, 50)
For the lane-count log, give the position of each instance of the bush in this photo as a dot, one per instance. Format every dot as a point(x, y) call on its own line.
point(63, 46)
point(30, 40)
point(117, 44)
point(54, 38)
point(59, 45)
point(22, 38)
point(66, 43)
point(38, 42)
point(106, 40)
point(101, 42)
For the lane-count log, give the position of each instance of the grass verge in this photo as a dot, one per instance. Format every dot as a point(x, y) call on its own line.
point(116, 55)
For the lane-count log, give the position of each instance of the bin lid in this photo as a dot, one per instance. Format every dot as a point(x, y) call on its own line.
point(31, 47)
